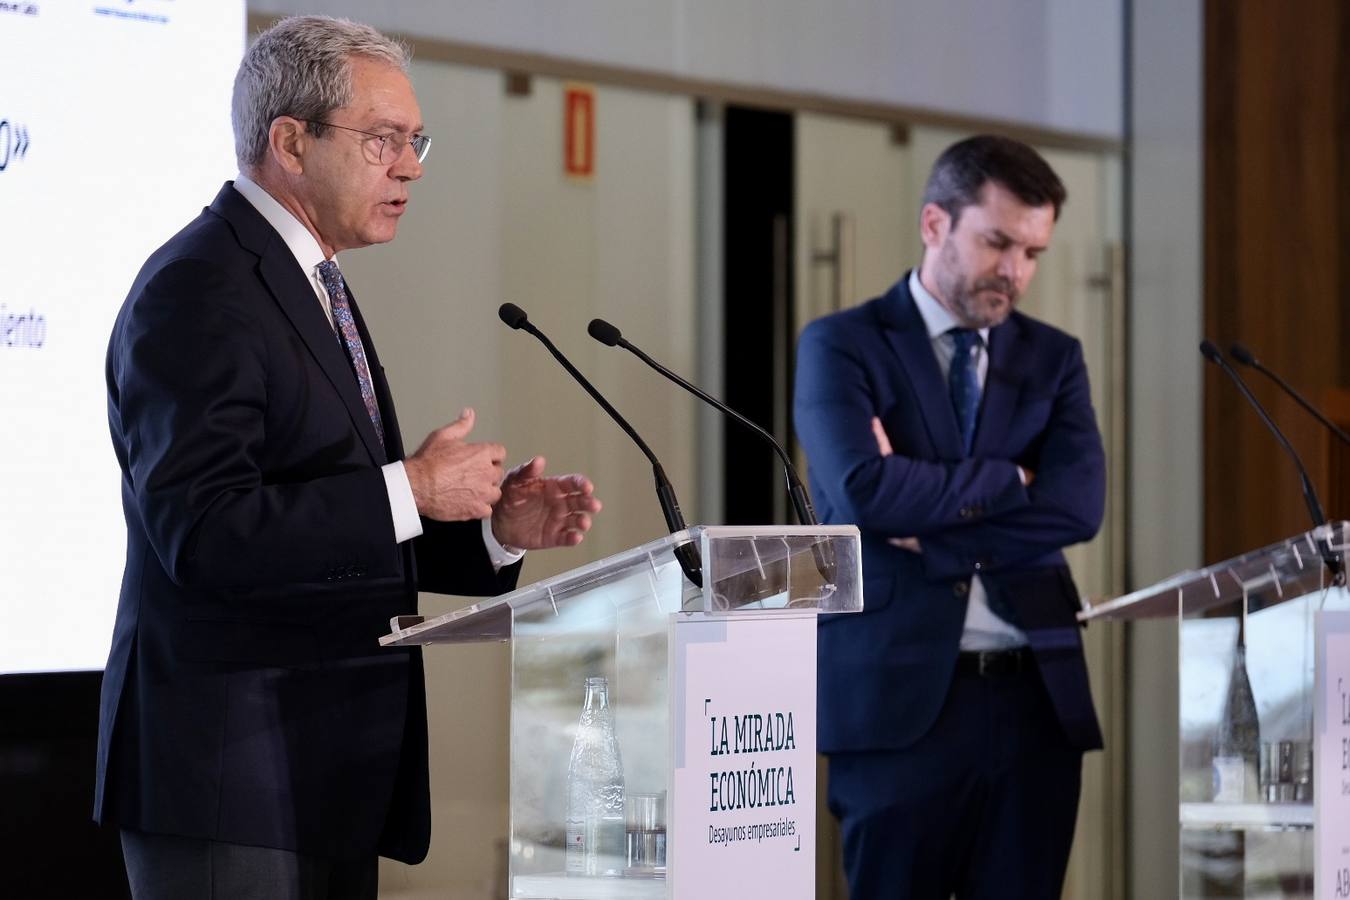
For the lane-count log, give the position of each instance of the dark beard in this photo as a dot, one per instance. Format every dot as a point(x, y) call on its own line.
point(962, 299)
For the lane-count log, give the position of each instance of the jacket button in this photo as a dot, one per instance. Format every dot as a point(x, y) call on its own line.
point(961, 588)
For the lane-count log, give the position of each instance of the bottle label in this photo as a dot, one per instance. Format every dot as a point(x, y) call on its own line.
point(576, 848)
point(1229, 779)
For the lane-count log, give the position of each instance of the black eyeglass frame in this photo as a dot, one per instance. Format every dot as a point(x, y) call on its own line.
point(420, 143)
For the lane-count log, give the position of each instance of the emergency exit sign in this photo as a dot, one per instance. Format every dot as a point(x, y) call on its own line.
point(579, 131)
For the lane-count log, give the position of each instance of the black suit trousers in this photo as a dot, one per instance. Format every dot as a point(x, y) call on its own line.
point(983, 806)
point(166, 867)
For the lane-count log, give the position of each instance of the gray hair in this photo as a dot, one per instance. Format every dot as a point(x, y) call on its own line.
point(301, 67)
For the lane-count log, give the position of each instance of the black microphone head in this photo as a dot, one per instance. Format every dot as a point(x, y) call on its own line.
point(1242, 354)
point(512, 315)
point(1210, 352)
point(604, 332)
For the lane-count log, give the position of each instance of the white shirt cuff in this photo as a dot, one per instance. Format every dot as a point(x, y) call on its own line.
point(1022, 475)
point(402, 506)
point(501, 556)
point(408, 524)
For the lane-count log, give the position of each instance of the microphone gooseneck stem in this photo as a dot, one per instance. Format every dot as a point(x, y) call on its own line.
point(1211, 353)
point(1288, 388)
point(598, 398)
point(686, 554)
point(821, 552)
point(801, 501)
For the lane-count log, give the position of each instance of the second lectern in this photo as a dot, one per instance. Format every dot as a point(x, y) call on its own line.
point(1264, 732)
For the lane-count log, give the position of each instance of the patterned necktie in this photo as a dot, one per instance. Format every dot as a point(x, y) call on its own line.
point(346, 326)
point(963, 383)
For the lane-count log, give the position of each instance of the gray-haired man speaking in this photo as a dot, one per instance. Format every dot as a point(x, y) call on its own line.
point(254, 738)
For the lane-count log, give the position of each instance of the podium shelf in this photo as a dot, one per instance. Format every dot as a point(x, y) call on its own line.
point(1246, 816)
point(572, 887)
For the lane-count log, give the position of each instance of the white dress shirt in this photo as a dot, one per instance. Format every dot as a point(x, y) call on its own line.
point(308, 254)
point(983, 629)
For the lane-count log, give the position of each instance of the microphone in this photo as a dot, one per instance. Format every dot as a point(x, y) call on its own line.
point(687, 553)
point(1211, 353)
point(1247, 358)
point(823, 554)
point(610, 336)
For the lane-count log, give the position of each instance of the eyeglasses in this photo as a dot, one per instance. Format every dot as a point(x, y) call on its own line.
point(391, 145)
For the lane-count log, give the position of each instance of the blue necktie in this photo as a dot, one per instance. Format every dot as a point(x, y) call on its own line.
point(963, 383)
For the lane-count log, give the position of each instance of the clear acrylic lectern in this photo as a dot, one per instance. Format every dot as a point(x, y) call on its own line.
point(711, 692)
point(1255, 729)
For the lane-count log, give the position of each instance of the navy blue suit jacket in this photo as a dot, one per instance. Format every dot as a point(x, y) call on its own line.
point(885, 672)
point(246, 697)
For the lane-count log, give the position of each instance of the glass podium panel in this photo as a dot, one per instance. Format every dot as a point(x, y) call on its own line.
point(1245, 836)
point(614, 628)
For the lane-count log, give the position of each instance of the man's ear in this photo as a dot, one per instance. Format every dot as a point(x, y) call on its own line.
point(287, 141)
point(934, 225)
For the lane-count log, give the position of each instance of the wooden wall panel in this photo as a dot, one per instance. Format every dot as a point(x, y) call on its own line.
point(1337, 408)
point(1277, 238)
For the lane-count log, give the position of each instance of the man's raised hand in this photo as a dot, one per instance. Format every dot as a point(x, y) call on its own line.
point(453, 480)
point(536, 512)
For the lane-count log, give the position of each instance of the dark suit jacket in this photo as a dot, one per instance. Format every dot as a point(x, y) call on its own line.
point(884, 672)
point(246, 698)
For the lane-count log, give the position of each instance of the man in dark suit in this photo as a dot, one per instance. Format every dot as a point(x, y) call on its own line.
point(958, 434)
point(254, 739)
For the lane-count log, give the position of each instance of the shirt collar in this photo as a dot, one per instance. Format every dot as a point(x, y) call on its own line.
point(296, 236)
point(936, 317)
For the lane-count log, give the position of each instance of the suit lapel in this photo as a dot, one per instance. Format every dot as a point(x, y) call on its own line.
point(295, 295)
point(908, 337)
point(1002, 386)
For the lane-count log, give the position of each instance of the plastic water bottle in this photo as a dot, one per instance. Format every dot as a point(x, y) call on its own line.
point(595, 823)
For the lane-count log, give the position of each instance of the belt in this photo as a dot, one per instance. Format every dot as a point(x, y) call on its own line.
point(986, 663)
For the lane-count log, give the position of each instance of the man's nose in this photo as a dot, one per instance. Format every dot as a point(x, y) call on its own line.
point(1011, 265)
point(407, 167)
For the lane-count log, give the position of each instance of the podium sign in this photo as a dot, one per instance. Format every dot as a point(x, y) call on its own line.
point(1332, 753)
point(743, 822)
